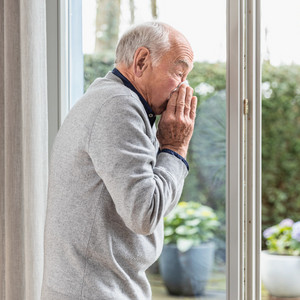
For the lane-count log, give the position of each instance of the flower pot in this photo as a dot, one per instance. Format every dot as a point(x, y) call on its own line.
point(186, 273)
point(280, 274)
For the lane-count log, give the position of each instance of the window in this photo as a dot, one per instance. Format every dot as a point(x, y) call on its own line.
point(280, 144)
point(103, 23)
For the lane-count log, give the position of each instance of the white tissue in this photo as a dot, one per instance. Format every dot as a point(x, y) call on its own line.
point(183, 82)
point(178, 86)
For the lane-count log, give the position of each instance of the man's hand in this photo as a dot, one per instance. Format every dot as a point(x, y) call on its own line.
point(176, 125)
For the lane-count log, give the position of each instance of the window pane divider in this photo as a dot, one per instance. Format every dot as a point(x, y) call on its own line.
point(253, 162)
point(235, 165)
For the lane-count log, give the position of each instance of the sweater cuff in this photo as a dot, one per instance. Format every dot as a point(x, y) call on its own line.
point(175, 154)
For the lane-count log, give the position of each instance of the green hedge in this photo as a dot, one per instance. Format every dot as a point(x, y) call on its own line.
point(96, 66)
point(280, 144)
point(280, 141)
point(280, 137)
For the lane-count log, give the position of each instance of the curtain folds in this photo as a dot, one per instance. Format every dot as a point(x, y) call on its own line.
point(23, 147)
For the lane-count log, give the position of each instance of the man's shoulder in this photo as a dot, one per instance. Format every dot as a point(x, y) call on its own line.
point(111, 93)
point(109, 86)
point(105, 102)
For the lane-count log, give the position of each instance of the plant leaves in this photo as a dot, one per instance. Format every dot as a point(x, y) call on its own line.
point(184, 245)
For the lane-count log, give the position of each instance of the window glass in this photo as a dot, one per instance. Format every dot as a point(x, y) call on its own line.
point(195, 232)
point(280, 31)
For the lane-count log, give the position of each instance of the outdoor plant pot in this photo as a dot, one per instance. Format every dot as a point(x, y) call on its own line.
point(186, 273)
point(280, 274)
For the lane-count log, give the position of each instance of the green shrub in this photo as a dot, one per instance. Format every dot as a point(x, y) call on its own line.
point(207, 79)
point(96, 66)
point(280, 143)
point(190, 224)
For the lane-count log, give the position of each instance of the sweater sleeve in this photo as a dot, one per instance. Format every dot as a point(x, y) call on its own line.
point(143, 185)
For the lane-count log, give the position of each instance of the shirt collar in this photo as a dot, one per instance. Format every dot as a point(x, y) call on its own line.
point(149, 111)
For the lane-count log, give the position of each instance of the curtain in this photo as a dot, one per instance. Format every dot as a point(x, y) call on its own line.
point(23, 147)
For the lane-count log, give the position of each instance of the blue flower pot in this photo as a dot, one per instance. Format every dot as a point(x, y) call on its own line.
point(186, 273)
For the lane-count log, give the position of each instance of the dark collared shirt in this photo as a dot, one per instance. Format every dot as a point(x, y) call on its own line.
point(149, 111)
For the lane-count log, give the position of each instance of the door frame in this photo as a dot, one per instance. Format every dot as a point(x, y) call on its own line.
point(243, 150)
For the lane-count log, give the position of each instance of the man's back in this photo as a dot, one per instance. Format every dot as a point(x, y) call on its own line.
point(107, 198)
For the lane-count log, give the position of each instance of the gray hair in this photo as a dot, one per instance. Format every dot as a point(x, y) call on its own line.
point(152, 35)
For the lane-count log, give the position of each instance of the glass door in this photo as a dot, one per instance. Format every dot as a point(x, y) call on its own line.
point(280, 32)
point(215, 187)
point(197, 227)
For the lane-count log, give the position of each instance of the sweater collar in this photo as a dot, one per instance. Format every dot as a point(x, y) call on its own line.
point(149, 111)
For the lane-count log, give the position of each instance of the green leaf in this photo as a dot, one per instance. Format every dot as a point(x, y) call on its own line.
point(193, 222)
point(186, 230)
point(168, 231)
point(184, 245)
point(181, 230)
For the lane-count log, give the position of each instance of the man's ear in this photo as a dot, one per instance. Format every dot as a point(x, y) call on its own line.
point(141, 60)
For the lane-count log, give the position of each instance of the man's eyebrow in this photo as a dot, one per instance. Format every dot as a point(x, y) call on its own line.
point(183, 62)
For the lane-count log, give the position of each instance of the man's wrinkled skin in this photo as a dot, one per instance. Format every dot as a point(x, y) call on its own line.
point(177, 121)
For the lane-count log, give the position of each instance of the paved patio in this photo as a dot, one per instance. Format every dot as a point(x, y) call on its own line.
point(215, 290)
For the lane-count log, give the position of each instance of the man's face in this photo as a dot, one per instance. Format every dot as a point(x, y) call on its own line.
point(166, 75)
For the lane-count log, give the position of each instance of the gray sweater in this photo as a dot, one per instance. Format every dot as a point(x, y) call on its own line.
point(108, 193)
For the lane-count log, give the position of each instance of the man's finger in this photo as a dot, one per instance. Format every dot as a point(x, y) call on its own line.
point(180, 104)
point(171, 106)
point(193, 107)
point(188, 99)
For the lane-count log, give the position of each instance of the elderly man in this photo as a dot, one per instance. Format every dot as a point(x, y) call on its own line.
point(111, 179)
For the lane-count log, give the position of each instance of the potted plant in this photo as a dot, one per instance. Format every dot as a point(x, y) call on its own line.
point(280, 263)
point(188, 253)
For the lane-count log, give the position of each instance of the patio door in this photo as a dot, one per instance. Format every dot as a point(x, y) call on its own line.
point(224, 154)
point(280, 33)
point(243, 149)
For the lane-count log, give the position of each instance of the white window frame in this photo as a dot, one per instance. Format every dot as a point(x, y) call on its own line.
point(234, 128)
point(253, 162)
point(53, 72)
point(243, 150)
point(243, 194)
point(61, 58)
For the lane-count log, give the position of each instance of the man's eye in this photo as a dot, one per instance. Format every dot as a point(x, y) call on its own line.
point(180, 75)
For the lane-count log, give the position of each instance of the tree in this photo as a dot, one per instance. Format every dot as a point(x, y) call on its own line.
point(154, 9)
point(107, 26)
point(132, 9)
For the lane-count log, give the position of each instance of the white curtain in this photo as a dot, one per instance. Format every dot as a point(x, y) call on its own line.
point(23, 147)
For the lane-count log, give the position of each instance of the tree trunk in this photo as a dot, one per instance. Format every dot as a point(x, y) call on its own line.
point(154, 9)
point(132, 8)
point(107, 26)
